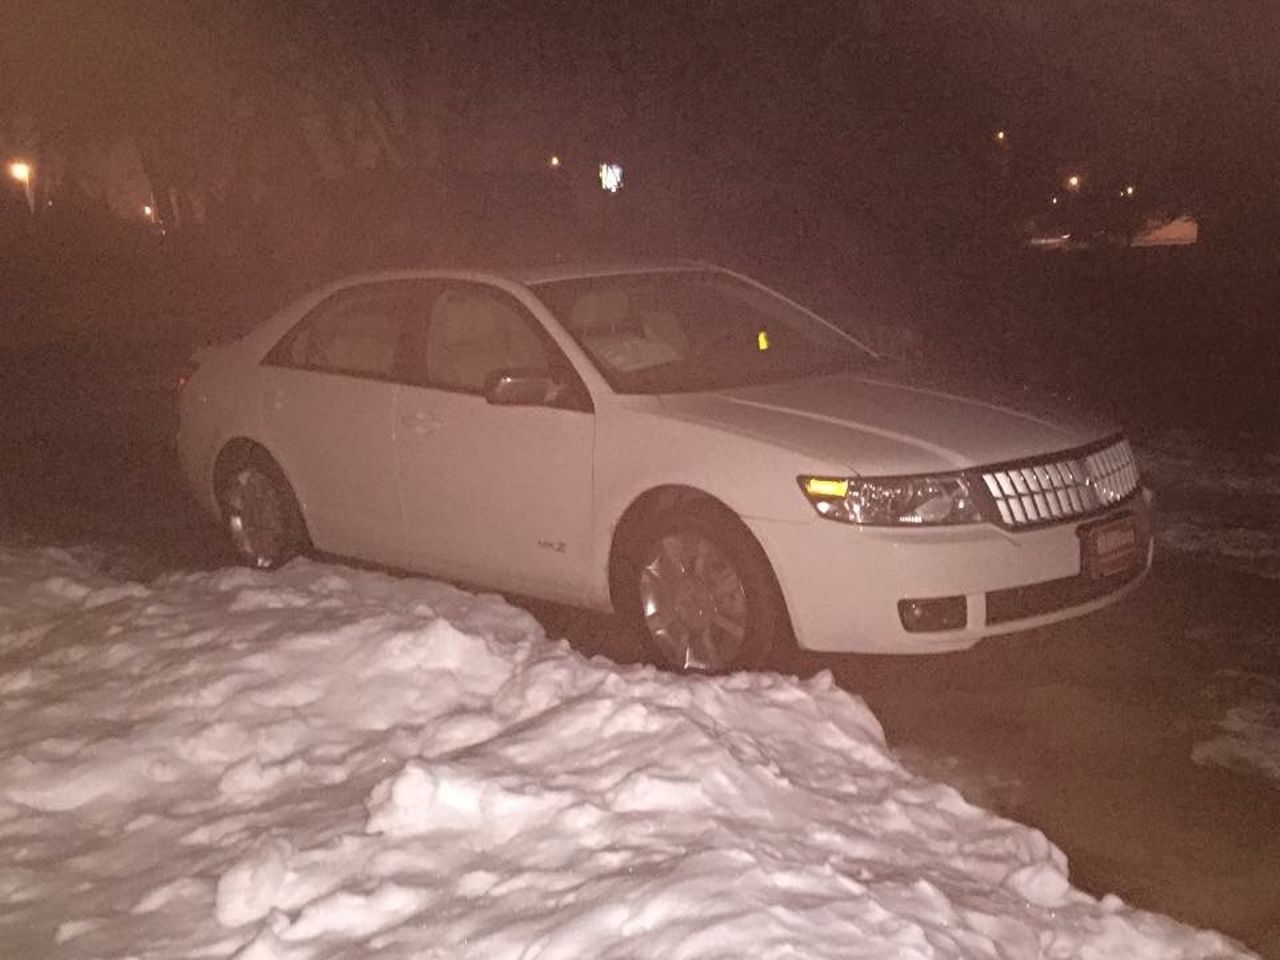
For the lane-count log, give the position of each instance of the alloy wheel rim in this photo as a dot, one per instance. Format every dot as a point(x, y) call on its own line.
point(255, 518)
point(694, 603)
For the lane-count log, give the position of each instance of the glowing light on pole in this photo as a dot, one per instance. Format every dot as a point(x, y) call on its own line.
point(21, 171)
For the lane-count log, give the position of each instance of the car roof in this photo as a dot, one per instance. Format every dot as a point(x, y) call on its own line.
point(527, 274)
point(531, 275)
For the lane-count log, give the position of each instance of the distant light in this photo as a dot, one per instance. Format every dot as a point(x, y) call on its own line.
point(20, 171)
point(762, 340)
point(1128, 191)
point(1000, 135)
point(1073, 182)
point(147, 210)
point(1054, 201)
point(611, 177)
point(553, 160)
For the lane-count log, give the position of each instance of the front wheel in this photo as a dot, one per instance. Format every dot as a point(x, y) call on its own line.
point(260, 515)
point(704, 593)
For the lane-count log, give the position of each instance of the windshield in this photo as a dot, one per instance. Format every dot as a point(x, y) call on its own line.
point(689, 330)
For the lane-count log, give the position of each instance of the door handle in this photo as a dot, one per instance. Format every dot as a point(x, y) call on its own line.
point(419, 423)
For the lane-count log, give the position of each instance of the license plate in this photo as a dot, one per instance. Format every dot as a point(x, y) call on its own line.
point(1112, 546)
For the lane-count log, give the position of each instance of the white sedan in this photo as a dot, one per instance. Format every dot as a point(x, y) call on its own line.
point(676, 443)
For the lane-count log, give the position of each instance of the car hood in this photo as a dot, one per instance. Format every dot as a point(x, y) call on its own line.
point(874, 426)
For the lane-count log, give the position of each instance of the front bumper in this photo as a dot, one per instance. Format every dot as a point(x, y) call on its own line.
point(843, 584)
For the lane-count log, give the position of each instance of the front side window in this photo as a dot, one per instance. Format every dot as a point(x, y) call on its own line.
point(473, 333)
point(686, 330)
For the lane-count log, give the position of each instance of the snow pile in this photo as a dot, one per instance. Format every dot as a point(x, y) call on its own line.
point(329, 763)
point(1216, 502)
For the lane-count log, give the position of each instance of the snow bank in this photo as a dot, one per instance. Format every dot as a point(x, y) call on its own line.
point(325, 762)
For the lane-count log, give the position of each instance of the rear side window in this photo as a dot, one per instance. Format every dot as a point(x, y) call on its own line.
point(358, 332)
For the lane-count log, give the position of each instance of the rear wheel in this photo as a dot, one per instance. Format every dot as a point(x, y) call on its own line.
point(260, 514)
point(703, 593)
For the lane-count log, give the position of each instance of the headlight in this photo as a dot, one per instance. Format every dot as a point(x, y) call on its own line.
point(893, 501)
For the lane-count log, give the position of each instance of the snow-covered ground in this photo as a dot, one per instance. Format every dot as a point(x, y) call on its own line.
point(1246, 729)
point(1223, 504)
point(324, 762)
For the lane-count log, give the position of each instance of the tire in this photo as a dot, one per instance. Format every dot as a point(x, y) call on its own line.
point(260, 514)
point(701, 593)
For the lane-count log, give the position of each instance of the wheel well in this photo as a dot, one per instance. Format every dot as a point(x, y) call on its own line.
point(239, 451)
point(236, 453)
point(644, 508)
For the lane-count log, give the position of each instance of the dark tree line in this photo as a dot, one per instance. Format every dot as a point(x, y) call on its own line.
point(297, 129)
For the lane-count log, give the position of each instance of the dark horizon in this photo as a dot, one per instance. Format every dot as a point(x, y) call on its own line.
point(1178, 93)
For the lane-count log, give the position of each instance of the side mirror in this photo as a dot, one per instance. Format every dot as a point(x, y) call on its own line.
point(521, 388)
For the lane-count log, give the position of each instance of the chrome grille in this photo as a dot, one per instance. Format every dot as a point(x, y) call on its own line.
point(1041, 492)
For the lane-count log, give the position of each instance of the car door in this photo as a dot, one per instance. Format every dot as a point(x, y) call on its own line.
point(329, 417)
point(494, 494)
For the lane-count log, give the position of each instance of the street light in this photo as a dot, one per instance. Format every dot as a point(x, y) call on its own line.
point(1073, 182)
point(21, 171)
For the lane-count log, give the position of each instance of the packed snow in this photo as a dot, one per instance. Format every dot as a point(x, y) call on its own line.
point(321, 762)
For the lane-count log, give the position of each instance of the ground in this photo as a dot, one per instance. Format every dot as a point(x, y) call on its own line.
point(1086, 731)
